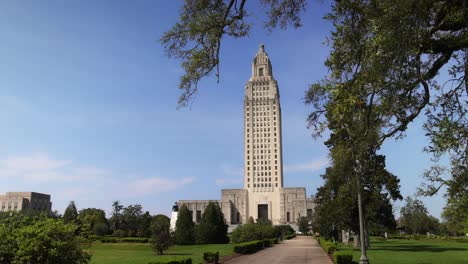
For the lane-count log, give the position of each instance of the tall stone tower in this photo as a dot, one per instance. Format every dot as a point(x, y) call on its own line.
point(263, 161)
point(263, 195)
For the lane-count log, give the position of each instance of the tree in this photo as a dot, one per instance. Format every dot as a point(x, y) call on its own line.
point(144, 229)
point(415, 219)
point(160, 227)
point(93, 220)
point(212, 228)
point(337, 208)
point(184, 229)
point(252, 231)
point(71, 214)
point(383, 62)
point(41, 240)
point(116, 218)
point(131, 219)
point(303, 224)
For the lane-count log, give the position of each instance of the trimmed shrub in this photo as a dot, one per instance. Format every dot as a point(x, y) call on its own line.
point(134, 240)
point(211, 257)
point(212, 228)
point(248, 247)
point(182, 261)
point(283, 230)
point(267, 243)
point(119, 233)
point(251, 232)
point(328, 246)
point(290, 237)
point(185, 228)
point(343, 257)
point(109, 240)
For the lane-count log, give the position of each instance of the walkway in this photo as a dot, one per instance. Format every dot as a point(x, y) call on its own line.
point(300, 250)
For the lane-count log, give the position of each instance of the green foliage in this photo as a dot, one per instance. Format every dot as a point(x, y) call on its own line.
point(288, 237)
point(251, 232)
point(211, 257)
point(100, 229)
point(415, 219)
point(71, 214)
point(92, 220)
point(184, 230)
point(119, 233)
point(303, 224)
point(41, 240)
point(340, 257)
point(328, 246)
point(249, 247)
point(160, 226)
point(212, 228)
point(283, 230)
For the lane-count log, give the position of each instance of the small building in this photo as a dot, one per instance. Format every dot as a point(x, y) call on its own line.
point(25, 201)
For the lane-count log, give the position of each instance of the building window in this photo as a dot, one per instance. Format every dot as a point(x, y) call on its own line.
point(287, 217)
point(260, 72)
point(276, 184)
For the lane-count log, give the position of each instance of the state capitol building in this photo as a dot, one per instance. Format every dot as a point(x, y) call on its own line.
point(263, 195)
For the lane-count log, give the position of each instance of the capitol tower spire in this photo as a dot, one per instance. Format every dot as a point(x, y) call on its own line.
point(262, 128)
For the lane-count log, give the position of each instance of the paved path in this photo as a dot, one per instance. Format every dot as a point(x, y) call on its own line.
point(300, 250)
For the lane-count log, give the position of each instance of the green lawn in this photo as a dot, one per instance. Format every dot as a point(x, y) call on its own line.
point(415, 252)
point(139, 253)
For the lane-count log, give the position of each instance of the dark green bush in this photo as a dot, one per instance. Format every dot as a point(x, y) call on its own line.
point(283, 230)
point(328, 246)
point(183, 261)
point(251, 232)
point(290, 237)
point(109, 240)
point(248, 247)
point(211, 257)
point(135, 240)
point(340, 257)
point(267, 243)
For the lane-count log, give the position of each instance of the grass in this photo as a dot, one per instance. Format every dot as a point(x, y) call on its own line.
point(395, 251)
point(140, 253)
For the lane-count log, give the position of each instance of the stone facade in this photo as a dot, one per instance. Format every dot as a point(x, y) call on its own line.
point(264, 195)
point(21, 201)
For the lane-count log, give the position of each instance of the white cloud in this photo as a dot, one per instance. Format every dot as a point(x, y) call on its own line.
point(41, 168)
point(314, 165)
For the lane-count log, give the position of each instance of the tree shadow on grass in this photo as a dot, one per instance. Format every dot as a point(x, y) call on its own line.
point(176, 254)
point(418, 248)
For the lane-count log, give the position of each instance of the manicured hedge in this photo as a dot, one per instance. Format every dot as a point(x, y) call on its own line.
point(109, 240)
point(343, 257)
point(211, 257)
point(183, 261)
point(290, 237)
point(328, 246)
point(124, 240)
point(134, 240)
point(249, 247)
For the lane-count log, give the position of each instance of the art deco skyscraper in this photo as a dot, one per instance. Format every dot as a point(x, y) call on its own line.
point(263, 163)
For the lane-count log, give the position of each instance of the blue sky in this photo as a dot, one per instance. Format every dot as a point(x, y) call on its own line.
point(88, 107)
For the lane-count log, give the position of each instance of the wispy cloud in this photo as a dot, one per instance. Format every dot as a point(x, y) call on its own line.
point(41, 168)
point(314, 165)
